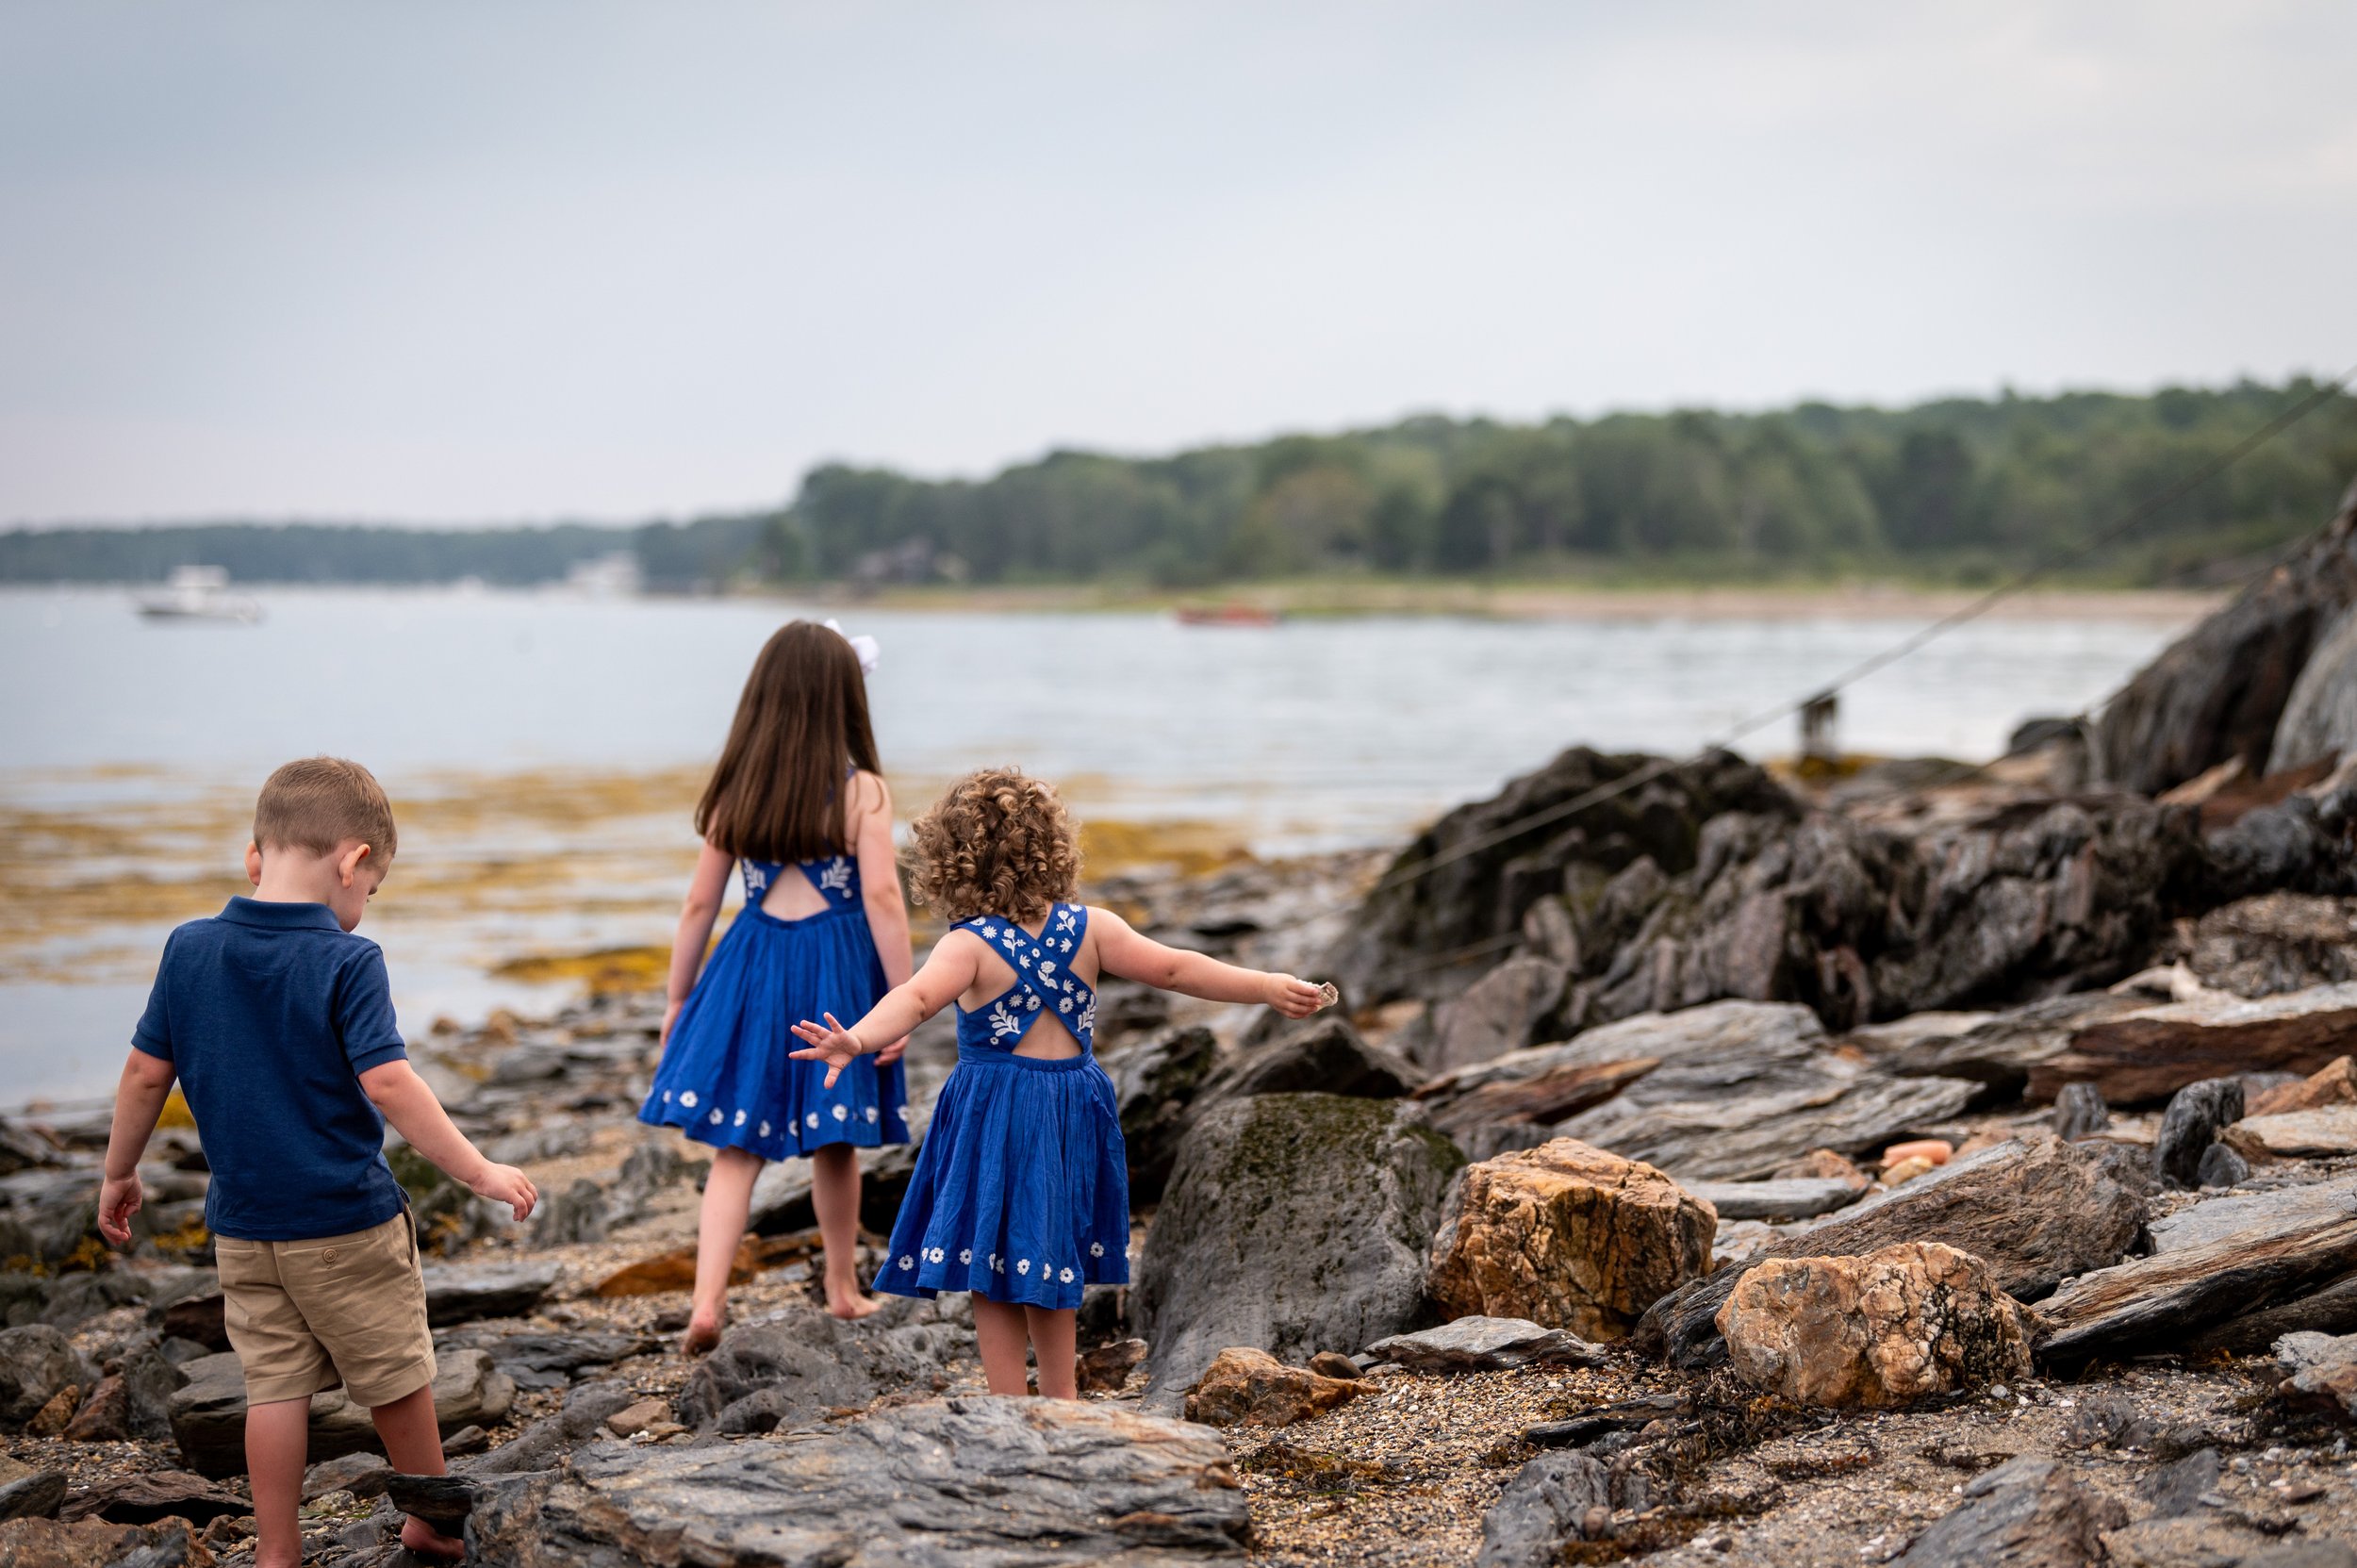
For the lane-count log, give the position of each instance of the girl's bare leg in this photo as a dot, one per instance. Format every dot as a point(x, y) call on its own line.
point(728, 1202)
point(834, 1194)
point(998, 1328)
point(1054, 1337)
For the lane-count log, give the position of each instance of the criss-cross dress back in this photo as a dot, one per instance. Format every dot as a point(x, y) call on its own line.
point(836, 878)
point(1043, 981)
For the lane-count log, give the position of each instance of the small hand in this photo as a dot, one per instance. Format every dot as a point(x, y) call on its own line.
point(119, 1198)
point(671, 1017)
point(508, 1186)
point(893, 1053)
point(834, 1044)
point(1294, 999)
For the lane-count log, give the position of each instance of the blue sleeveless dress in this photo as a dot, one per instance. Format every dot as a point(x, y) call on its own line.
point(727, 1079)
point(1022, 1189)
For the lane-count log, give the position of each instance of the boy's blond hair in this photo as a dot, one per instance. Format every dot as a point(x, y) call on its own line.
point(320, 803)
point(999, 842)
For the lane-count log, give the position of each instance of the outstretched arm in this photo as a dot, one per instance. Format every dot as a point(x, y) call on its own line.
point(705, 892)
point(956, 961)
point(1122, 951)
point(407, 1102)
point(139, 1100)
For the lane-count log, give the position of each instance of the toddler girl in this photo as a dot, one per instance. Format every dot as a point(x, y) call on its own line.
point(1021, 1194)
point(798, 801)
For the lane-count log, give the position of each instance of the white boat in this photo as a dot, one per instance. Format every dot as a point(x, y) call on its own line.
point(198, 593)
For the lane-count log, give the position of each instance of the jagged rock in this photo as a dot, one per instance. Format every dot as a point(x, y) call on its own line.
point(2028, 1513)
point(21, 1149)
point(363, 1474)
point(2149, 1053)
point(1292, 1223)
point(2284, 1207)
point(2334, 1084)
point(2000, 1053)
point(577, 1214)
point(543, 1444)
point(1155, 1079)
point(68, 1300)
point(2221, 1167)
point(209, 1414)
point(199, 1318)
point(145, 1496)
point(37, 1363)
point(646, 1171)
point(27, 1491)
point(962, 1483)
point(2276, 942)
point(1514, 1113)
point(2176, 1489)
point(1323, 1055)
point(1623, 1416)
point(460, 1293)
point(1245, 1385)
point(1885, 1328)
point(1498, 1013)
point(102, 1417)
point(2320, 1370)
point(52, 1418)
point(1802, 1198)
point(2035, 1211)
point(2079, 1111)
point(1107, 1368)
point(94, 1543)
point(2196, 1114)
point(538, 1360)
point(2319, 719)
point(2217, 693)
point(1541, 1509)
point(2320, 1134)
point(1485, 1344)
point(634, 1418)
point(1568, 1236)
point(793, 1367)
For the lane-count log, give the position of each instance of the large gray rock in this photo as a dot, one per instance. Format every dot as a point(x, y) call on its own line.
point(535, 1359)
point(2028, 1513)
point(2196, 1114)
point(208, 1412)
point(789, 1369)
point(2144, 1056)
point(962, 1484)
point(1155, 1079)
point(37, 1362)
point(2320, 1370)
point(460, 1293)
point(2319, 718)
point(1500, 1012)
point(1293, 1224)
point(1541, 1509)
point(1320, 1055)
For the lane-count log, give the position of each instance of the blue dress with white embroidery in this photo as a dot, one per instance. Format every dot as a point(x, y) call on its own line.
point(727, 1078)
point(1022, 1188)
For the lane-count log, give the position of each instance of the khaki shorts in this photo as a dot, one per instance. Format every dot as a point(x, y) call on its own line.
point(306, 1315)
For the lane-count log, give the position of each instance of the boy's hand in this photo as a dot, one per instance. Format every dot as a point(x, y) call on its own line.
point(117, 1200)
point(508, 1186)
point(834, 1044)
point(1296, 998)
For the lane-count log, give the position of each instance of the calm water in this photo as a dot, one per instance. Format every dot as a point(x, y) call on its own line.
point(129, 751)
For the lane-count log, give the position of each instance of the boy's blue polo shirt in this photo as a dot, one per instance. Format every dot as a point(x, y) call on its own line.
point(270, 1012)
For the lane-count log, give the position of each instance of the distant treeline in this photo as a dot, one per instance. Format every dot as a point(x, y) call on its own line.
point(1962, 487)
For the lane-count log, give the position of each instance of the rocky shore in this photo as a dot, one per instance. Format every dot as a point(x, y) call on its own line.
point(1923, 1163)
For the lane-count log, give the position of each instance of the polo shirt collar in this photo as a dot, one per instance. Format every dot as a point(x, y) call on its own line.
point(279, 916)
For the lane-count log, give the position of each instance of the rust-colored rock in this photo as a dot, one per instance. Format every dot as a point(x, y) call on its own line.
point(1828, 1165)
point(675, 1270)
point(2333, 1083)
point(2143, 1057)
point(1569, 1237)
point(1245, 1385)
point(52, 1418)
point(1886, 1328)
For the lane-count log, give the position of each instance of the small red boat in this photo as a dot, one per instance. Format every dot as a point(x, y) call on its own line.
point(1226, 614)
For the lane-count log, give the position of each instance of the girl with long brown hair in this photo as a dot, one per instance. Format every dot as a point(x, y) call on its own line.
point(798, 801)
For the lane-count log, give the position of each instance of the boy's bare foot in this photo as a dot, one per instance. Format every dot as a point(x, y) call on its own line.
point(704, 1333)
point(426, 1541)
point(851, 1303)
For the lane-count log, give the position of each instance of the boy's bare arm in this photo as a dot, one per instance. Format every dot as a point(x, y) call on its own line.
point(1122, 951)
point(139, 1100)
point(395, 1088)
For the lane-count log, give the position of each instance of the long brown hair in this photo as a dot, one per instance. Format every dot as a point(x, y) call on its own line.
point(781, 791)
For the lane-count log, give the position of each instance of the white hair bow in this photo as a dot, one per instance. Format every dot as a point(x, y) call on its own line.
point(868, 648)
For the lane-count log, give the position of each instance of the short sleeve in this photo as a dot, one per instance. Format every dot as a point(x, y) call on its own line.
point(364, 1012)
point(152, 1033)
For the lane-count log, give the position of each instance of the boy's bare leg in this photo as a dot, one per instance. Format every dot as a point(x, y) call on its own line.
point(277, 1442)
point(834, 1194)
point(413, 1443)
point(1054, 1338)
point(999, 1331)
point(728, 1202)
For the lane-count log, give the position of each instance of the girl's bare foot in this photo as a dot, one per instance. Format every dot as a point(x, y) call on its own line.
point(703, 1331)
point(426, 1541)
point(850, 1302)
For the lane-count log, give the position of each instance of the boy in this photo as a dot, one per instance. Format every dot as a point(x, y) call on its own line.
point(279, 1026)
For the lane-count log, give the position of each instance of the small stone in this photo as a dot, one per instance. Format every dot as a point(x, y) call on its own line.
point(2196, 1114)
point(363, 1474)
point(2079, 1111)
point(2176, 1489)
point(631, 1419)
point(1485, 1344)
point(1824, 1163)
point(1906, 1170)
point(465, 1441)
point(52, 1418)
point(1245, 1385)
point(1333, 1363)
point(2222, 1167)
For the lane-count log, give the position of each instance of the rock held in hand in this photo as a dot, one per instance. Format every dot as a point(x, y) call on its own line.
point(1882, 1330)
point(1247, 1386)
point(1569, 1237)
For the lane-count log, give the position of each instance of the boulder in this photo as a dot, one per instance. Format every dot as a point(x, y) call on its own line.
point(1543, 1505)
point(2196, 1114)
point(1292, 1223)
point(37, 1363)
point(209, 1414)
point(1248, 1387)
point(790, 1368)
point(2028, 1513)
point(1321, 1055)
point(1041, 1482)
point(2320, 1371)
point(2334, 1084)
point(2327, 1133)
point(2035, 1211)
point(2319, 719)
point(363, 1474)
point(1567, 1236)
point(460, 1293)
point(1155, 1079)
point(1485, 1344)
point(1498, 1013)
point(1865, 1332)
point(2144, 1056)
point(2276, 942)
point(2217, 693)
point(1802, 1197)
point(2233, 1292)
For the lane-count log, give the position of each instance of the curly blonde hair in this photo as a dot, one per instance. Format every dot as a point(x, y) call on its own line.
point(998, 842)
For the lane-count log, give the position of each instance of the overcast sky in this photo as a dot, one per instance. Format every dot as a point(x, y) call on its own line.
point(524, 260)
